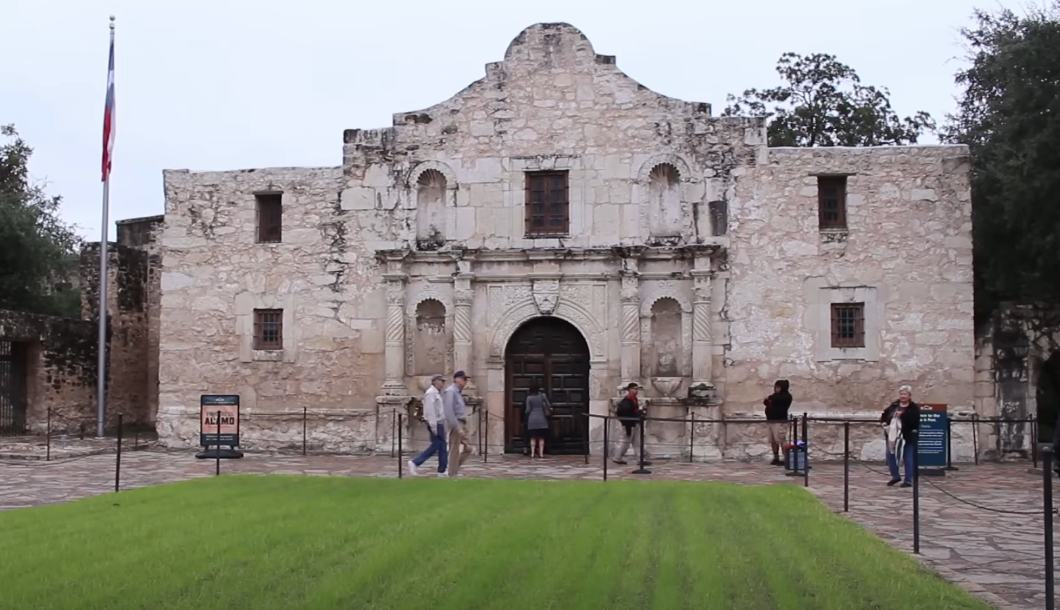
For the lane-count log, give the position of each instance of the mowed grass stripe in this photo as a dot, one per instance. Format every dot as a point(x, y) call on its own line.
point(245, 541)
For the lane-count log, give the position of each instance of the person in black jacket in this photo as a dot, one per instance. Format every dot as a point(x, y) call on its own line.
point(900, 420)
point(777, 405)
point(631, 416)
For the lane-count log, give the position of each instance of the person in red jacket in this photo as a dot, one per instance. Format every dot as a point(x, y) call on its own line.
point(630, 415)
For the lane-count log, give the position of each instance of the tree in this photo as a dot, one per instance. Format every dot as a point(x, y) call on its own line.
point(38, 251)
point(1009, 116)
point(823, 103)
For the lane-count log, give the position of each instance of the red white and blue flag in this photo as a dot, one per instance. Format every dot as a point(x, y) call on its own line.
point(108, 114)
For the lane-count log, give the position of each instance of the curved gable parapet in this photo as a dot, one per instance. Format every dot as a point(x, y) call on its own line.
point(563, 52)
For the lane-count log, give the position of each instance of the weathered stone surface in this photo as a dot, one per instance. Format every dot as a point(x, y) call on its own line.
point(55, 362)
point(692, 254)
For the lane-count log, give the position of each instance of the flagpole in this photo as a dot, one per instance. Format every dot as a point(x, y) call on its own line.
point(104, 254)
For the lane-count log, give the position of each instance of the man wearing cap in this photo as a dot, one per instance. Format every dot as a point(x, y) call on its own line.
point(630, 415)
point(456, 418)
point(434, 415)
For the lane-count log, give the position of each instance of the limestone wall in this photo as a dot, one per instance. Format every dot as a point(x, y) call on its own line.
point(58, 365)
point(215, 275)
point(691, 256)
point(907, 254)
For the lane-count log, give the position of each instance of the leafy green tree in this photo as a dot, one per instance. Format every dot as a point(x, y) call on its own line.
point(38, 251)
point(1009, 115)
point(823, 103)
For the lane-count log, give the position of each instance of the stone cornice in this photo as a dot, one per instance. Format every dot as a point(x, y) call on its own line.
point(689, 252)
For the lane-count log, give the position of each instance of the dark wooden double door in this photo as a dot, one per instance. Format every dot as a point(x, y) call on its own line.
point(551, 354)
point(13, 403)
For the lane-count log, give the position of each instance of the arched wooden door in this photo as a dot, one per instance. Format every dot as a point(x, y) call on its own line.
point(552, 354)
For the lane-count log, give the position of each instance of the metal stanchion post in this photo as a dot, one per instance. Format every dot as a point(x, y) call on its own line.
point(975, 437)
point(607, 448)
point(393, 430)
point(48, 454)
point(117, 459)
point(641, 469)
point(1034, 440)
point(486, 443)
point(806, 450)
point(217, 445)
point(305, 415)
point(1047, 497)
point(586, 443)
point(846, 466)
point(692, 438)
point(949, 445)
point(916, 491)
point(400, 420)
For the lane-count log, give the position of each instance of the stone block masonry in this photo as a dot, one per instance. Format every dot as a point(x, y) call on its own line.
point(557, 223)
point(53, 366)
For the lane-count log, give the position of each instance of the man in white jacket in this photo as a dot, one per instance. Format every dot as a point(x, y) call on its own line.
point(435, 418)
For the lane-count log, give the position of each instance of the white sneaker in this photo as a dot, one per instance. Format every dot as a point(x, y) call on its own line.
point(412, 468)
point(444, 475)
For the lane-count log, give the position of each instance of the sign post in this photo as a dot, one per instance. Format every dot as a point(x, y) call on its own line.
point(931, 444)
point(219, 426)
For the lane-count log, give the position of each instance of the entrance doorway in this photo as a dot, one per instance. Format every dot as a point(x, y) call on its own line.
point(13, 402)
point(1048, 398)
point(549, 353)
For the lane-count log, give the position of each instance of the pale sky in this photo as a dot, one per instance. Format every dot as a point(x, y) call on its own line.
point(233, 84)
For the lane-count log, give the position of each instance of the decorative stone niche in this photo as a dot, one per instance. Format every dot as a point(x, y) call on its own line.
point(430, 210)
point(664, 203)
point(431, 343)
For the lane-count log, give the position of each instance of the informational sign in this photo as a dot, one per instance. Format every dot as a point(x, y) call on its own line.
point(223, 408)
point(932, 439)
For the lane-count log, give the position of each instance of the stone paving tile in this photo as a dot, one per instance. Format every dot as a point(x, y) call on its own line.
point(997, 555)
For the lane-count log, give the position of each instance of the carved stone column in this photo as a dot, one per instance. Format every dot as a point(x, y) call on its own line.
point(462, 297)
point(630, 327)
point(702, 329)
point(395, 334)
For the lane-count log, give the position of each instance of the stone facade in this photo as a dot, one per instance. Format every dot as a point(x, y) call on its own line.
point(52, 362)
point(133, 296)
point(52, 366)
point(683, 253)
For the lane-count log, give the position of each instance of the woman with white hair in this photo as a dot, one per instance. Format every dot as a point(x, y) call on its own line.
point(900, 420)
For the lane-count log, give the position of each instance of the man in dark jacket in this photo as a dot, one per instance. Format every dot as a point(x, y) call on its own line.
point(777, 405)
point(900, 420)
point(630, 415)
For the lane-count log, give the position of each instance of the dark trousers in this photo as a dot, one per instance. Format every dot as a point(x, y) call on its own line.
point(437, 446)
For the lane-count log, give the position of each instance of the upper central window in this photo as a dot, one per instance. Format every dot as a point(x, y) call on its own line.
point(547, 204)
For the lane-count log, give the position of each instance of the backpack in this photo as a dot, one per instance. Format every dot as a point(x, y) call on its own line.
point(626, 408)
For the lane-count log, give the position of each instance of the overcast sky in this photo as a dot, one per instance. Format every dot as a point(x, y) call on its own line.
point(230, 84)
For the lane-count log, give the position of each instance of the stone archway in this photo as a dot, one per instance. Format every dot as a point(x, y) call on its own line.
point(550, 353)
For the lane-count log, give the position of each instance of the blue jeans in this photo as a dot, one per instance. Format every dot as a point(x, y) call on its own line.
point(907, 458)
point(437, 446)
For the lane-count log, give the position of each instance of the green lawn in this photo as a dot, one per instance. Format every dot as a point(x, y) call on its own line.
point(312, 542)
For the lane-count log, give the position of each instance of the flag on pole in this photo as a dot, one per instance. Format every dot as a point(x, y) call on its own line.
point(108, 111)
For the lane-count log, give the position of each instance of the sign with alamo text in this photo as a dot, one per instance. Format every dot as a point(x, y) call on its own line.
point(932, 438)
point(225, 407)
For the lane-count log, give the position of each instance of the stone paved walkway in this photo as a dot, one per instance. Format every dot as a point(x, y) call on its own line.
point(997, 555)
